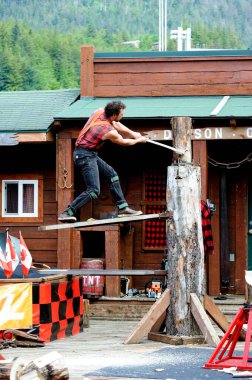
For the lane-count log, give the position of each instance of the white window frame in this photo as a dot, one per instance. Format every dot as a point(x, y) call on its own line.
point(20, 212)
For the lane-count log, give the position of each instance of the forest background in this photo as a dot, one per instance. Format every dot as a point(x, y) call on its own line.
point(40, 40)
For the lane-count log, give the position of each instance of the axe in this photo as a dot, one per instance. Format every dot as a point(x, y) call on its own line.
point(179, 151)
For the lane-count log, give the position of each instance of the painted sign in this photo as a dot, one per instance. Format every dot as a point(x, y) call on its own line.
point(16, 306)
point(218, 133)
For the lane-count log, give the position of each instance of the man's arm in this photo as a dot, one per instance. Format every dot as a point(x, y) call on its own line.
point(116, 138)
point(125, 131)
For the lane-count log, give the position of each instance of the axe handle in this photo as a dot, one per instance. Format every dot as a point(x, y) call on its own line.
point(177, 150)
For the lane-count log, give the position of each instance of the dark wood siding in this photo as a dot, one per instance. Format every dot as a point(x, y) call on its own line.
point(34, 159)
point(173, 77)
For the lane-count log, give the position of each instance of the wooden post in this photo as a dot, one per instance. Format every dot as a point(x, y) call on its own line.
point(112, 256)
point(65, 188)
point(200, 159)
point(87, 71)
point(184, 234)
point(224, 238)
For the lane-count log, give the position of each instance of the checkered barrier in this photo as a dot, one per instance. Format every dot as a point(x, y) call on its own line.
point(155, 191)
point(155, 231)
point(58, 308)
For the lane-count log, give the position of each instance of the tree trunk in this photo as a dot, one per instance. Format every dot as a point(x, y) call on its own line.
point(185, 251)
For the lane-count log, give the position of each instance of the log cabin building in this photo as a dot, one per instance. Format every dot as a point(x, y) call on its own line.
point(214, 88)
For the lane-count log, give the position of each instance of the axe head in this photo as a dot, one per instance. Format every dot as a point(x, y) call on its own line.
point(180, 151)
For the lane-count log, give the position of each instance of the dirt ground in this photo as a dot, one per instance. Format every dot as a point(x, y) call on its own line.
point(99, 352)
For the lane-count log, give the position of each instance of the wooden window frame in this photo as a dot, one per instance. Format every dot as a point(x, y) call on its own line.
point(23, 177)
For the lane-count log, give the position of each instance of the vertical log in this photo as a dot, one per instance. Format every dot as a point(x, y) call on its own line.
point(181, 130)
point(184, 235)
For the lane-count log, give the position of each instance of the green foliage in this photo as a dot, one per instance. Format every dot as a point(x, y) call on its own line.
point(40, 40)
point(36, 60)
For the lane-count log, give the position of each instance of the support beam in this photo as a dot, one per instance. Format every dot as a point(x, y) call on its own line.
point(149, 320)
point(203, 321)
point(216, 314)
point(104, 272)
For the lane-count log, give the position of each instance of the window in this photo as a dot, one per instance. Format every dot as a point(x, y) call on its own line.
point(154, 231)
point(21, 198)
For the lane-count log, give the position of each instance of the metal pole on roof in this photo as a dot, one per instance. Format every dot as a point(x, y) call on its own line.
point(162, 43)
point(165, 26)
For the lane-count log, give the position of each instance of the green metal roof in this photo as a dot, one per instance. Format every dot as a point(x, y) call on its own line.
point(158, 107)
point(168, 54)
point(32, 111)
point(237, 106)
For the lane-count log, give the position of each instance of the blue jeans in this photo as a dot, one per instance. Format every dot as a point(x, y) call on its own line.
point(91, 167)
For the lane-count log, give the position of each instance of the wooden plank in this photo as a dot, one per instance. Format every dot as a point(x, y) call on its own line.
point(35, 137)
point(104, 221)
point(175, 340)
point(8, 139)
point(203, 321)
point(99, 228)
point(215, 313)
point(59, 277)
point(208, 133)
point(172, 65)
point(105, 272)
point(173, 90)
point(159, 325)
point(166, 78)
point(148, 321)
point(112, 261)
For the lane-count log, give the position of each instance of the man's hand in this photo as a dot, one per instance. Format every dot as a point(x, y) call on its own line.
point(141, 139)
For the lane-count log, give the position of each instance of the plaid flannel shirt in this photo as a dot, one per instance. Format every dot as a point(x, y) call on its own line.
point(99, 125)
point(207, 228)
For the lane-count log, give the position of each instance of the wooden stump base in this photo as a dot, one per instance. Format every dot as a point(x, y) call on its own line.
point(176, 340)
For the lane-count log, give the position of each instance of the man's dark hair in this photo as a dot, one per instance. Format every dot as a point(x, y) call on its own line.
point(114, 108)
